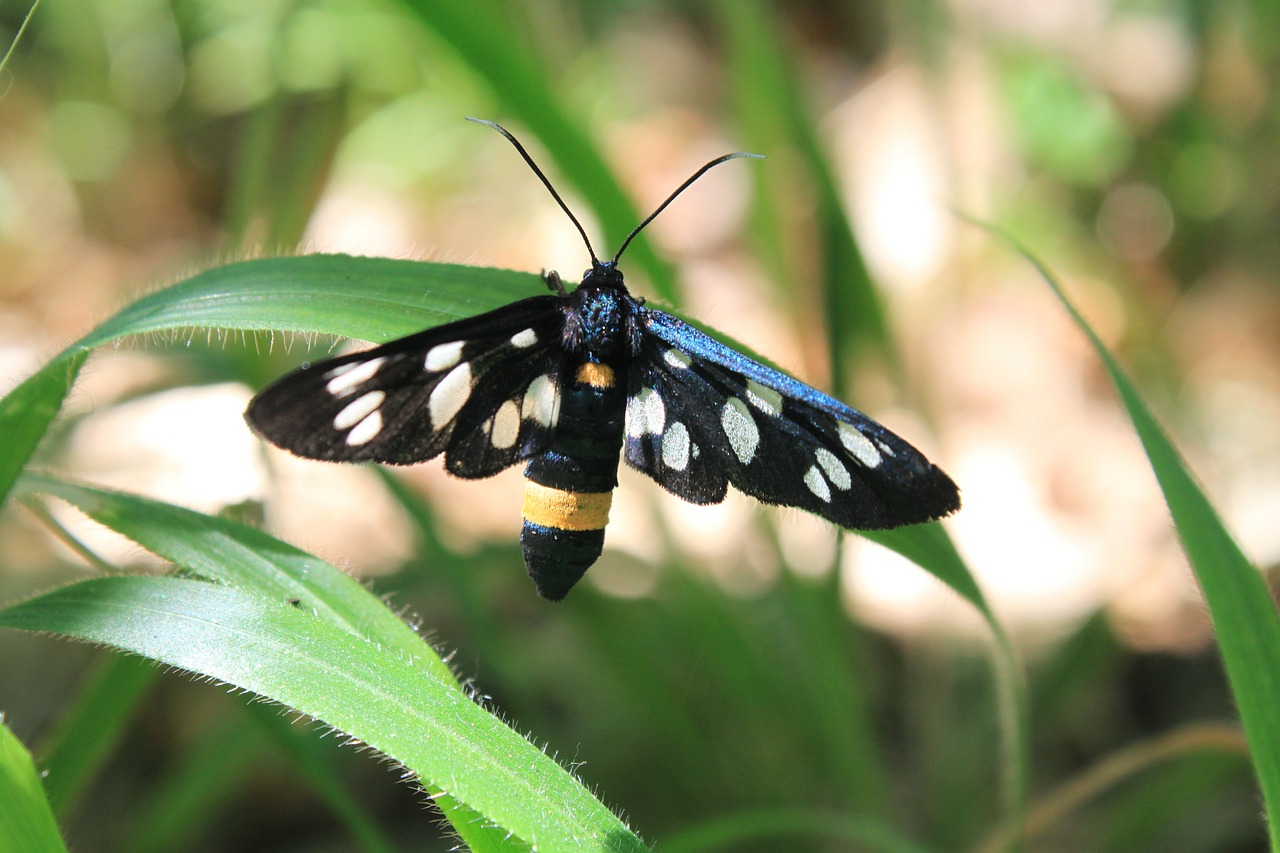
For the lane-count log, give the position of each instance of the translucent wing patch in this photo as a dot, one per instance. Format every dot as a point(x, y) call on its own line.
point(664, 437)
point(483, 391)
point(701, 415)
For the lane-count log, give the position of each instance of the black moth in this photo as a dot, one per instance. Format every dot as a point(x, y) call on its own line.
point(564, 381)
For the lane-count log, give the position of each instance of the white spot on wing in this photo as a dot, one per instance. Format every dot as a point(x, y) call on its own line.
point(542, 401)
point(813, 479)
point(524, 339)
point(858, 444)
point(765, 399)
point(506, 425)
point(443, 356)
point(366, 431)
point(675, 447)
point(339, 370)
point(834, 469)
point(740, 428)
point(646, 413)
point(344, 379)
point(449, 396)
point(677, 358)
point(358, 409)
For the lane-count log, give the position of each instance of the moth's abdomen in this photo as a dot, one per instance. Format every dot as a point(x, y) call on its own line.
point(570, 486)
point(557, 554)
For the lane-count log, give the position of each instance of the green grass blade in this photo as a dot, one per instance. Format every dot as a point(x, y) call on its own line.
point(840, 716)
point(929, 547)
point(91, 728)
point(209, 775)
point(373, 299)
point(771, 106)
point(821, 828)
point(485, 36)
point(26, 413)
point(26, 818)
point(17, 37)
point(197, 787)
point(279, 652)
point(282, 163)
point(1243, 613)
point(245, 557)
point(325, 777)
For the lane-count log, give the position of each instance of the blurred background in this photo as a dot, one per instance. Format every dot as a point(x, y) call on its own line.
point(717, 660)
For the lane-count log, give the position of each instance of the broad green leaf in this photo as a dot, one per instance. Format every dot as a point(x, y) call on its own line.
point(1243, 612)
point(26, 818)
point(280, 652)
point(245, 557)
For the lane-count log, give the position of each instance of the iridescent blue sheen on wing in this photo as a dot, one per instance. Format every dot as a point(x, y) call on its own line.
point(771, 436)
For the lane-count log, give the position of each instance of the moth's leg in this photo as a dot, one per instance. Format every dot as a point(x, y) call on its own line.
point(552, 279)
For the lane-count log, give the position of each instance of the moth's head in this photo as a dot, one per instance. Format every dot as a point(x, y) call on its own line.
point(603, 274)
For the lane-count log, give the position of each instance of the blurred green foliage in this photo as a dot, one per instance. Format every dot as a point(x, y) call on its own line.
point(1134, 143)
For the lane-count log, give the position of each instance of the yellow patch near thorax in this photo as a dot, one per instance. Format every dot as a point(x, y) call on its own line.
point(595, 375)
point(563, 510)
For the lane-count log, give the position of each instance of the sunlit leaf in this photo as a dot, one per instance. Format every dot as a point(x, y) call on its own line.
point(26, 819)
point(278, 651)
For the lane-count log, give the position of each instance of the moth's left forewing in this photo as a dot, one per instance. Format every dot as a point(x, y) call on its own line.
point(773, 437)
point(481, 390)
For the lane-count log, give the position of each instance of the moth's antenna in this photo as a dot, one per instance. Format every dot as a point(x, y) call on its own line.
point(595, 261)
point(546, 183)
point(698, 174)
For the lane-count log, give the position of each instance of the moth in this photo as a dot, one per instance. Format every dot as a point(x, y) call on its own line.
point(567, 380)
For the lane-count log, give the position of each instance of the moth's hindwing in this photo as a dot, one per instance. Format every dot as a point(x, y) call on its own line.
point(484, 391)
point(701, 415)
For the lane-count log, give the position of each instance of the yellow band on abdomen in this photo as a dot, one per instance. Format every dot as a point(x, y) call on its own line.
point(595, 375)
point(563, 510)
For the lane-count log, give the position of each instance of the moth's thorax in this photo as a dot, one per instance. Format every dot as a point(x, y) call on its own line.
point(600, 317)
